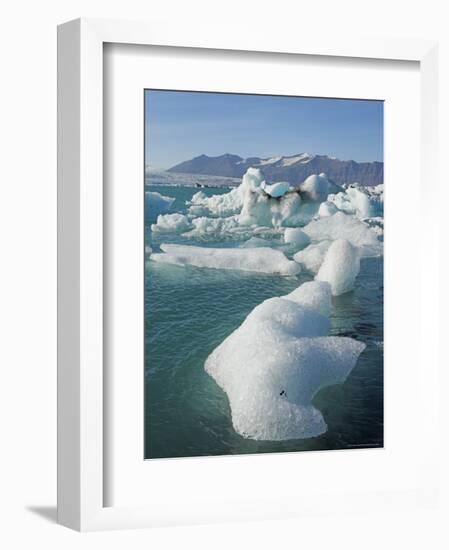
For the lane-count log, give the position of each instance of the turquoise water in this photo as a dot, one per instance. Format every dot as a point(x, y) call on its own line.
point(189, 311)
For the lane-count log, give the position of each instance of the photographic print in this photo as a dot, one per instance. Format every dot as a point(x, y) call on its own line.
point(264, 236)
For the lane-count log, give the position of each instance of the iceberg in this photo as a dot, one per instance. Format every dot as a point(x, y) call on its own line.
point(174, 223)
point(256, 203)
point(277, 360)
point(340, 267)
point(156, 204)
point(276, 189)
point(360, 201)
point(343, 226)
point(222, 205)
point(262, 260)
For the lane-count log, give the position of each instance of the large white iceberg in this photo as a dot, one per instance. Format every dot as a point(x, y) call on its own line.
point(340, 267)
point(263, 260)
point(273, 365)
point(257, 203)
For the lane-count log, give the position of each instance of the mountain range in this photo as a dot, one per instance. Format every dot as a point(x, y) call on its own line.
point(293, 169)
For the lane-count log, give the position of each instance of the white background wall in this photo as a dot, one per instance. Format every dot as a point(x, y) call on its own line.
point(28, 267)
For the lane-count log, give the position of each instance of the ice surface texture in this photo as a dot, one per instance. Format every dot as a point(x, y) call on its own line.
point(273, 365)
point(171, 223)
point(340, 267)
point(313, 256)
point(363, 202)
point(343, 226)
point(263, 260)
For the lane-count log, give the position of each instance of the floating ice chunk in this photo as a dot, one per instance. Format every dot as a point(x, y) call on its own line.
point(156, 204)
point(343, 226)
point(174, 223)
point(263, 260)
point(340, 267)
point(315, 188)
point(361, 201)
point(276, 189)
point(273, 365)
point(256, 203)
point(296, 236)
point(225, 204)
point(148, 250)
point(312, 257)
point(314, 295)
point(327, 208)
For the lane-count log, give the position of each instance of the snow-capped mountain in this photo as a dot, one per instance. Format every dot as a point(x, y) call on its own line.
point(293, 169)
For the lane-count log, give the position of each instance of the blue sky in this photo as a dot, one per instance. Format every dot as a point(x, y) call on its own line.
point(183, 125)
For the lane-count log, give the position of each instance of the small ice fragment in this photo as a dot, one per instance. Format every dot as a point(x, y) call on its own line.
point(276, 189)
point(171, 223)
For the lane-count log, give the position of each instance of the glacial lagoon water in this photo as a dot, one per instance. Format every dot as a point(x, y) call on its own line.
point(190, 310)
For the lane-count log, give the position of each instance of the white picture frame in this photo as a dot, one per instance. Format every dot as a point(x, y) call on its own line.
point(81, 405)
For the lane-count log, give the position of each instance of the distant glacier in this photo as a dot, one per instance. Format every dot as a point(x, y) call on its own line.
point(293, 168)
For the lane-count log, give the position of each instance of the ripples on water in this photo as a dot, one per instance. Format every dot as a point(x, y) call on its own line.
point(189, 311)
